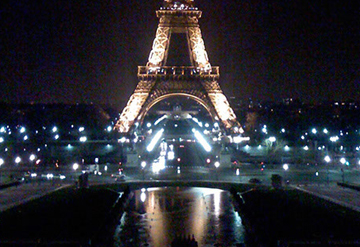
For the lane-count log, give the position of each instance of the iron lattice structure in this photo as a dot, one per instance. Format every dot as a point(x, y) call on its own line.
point(158, 81)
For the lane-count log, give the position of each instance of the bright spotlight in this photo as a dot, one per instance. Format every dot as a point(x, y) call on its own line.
point(153, 142)
point(201, 140)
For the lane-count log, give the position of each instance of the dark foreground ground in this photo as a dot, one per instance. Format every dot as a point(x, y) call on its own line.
point(83, 217)
point(65, 217)
point(288, 217)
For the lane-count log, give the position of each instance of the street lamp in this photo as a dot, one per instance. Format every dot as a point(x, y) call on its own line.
point(143, 165)
point(327, 160)
point(32, 157)
point(285, 167)
point(217, 164)
point(75, 166)
point(17, 160)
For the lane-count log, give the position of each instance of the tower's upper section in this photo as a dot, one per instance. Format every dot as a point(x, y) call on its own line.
point(179, 8)
point(178, 4)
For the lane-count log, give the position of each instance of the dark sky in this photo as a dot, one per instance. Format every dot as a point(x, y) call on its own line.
point(88, 50)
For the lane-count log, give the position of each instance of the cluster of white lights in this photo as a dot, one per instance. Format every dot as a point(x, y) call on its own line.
point(334, 138)
point(272, 139)
point(123, 140)
point(83, 139)
point(158, 164)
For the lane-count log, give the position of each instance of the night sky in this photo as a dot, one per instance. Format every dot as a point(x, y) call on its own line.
point(82, 51)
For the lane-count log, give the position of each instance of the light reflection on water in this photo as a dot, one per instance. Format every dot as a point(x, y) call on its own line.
point(156, 216)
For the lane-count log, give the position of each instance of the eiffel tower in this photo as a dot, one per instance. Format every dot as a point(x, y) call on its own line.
point(157, 81)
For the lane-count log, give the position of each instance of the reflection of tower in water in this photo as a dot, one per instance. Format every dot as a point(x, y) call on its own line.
point(178, 212)
point(157, 216)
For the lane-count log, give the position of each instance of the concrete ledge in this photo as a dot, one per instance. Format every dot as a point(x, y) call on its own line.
point(350, 186)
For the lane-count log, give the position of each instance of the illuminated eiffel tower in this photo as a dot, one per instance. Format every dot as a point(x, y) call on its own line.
point(157, 81)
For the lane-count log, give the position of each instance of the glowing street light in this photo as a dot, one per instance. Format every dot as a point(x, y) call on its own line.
point(286, 167)
point(17, 160)
point(217, 164)
point(143, 165)
point(32, 157)
point(327, 159)
point(75, 166)
point(314, 131)
point(1, 161)
point(22, 130)
point(343, 161)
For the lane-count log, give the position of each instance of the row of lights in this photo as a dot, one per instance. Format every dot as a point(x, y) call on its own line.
point(54, 130)
point(18, 159)
point(313, 131)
